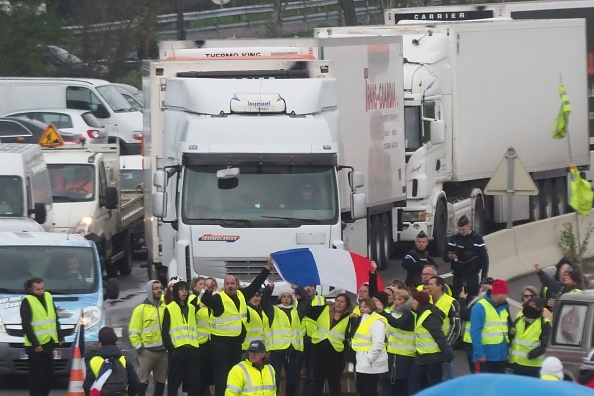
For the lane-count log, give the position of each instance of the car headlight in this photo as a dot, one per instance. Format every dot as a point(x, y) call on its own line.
point(83, 226)
point(412, 217)
point(92, 316)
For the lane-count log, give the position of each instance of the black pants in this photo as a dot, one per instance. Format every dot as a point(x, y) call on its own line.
point(493, 367)
point(472, 284)
point(41, 371)
point(307, 362)
point(328, 366)
point(367, 384)
point(424, 376)
point(470, 356)
point(290, 361)
point(205, 357)
point(527, 371)
point(184, 364)
point(225, 355)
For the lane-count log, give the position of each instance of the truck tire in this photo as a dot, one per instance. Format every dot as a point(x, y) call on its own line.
point(560, 196)
point(478, 222)
point(386, 239)
point(546, 194)
point(111, 269)
point(125, 264)
point(437, 246)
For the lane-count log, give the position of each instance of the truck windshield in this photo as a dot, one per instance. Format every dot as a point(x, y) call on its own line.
point(261, 196)
point(412, 128)
point(72, 183)
point(115, 99)
point(11, 196)
point(64, 269)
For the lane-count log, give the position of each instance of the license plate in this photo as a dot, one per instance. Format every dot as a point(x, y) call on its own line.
point(57, 354)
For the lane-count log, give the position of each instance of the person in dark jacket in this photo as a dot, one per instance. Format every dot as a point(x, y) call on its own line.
point(571, 281)
point(109, 349)
point(416, 259)
point(431, 344)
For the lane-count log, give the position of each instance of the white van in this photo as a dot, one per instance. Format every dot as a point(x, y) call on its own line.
point(25, 188)
point(121, 120)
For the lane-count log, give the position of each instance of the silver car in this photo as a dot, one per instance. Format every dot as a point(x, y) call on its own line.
point(82, 122)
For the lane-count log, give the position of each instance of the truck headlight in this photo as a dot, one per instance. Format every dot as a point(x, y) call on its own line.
point(83, 226)
point(413, 217)
point(92, 316)
point(2, 328)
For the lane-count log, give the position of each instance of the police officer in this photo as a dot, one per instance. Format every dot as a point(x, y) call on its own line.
point(467, 253)
point(253, 376)
point(416, 259)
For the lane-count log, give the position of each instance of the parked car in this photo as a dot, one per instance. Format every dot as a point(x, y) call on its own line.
point(23, 130)
point(82, 122)
point(132, 94)
point(62, 63)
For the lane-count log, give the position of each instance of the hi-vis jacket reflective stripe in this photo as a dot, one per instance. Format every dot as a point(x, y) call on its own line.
point(309, 326)
point(401, 342)
point(336, 334)
point(256, 327)
point(444, 304)
point(283, 334)
point(97, 361)
point(230, 323)
point(424, 341)
point(246, 380)
point(466, 338)
point(203, 319)
point(362, 339)
point(42, 321)
point(182, 332)
point(145, 326)
point(526, 339)
point(496, 327)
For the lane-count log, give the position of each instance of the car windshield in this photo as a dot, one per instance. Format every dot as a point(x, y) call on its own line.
point(64, 269)
point(72, 183)
point(11, 196)
point(261, 196)
point(114, 99)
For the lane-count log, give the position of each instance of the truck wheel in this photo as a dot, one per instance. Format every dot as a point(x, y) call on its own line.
point(547, 194)
point(125, 263)
point(535, 213)
point(385, 240)
point(437, 246)
point(560, 196)
point(478, 222)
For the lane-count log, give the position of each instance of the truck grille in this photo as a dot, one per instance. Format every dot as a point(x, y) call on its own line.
point(246, 271)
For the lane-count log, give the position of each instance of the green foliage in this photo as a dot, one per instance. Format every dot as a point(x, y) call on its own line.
point(569, 244)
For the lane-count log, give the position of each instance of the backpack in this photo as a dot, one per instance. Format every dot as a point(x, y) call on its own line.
point(117, 382)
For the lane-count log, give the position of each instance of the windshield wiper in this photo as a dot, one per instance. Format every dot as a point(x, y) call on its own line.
point(63, 198)
point(299, 220)
point(229, 222)
point(5, 290)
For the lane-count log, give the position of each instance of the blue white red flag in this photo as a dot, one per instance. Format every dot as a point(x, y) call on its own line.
point(102, 377)
point(327, 267)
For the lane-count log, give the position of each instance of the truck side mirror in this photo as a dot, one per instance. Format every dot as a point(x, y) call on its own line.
point(356, 180)
point(160, 179)
point(111, 198)
point(101, 112)
point(437, 132)
point(40, 212)
point(160, 204)
point(358, 206)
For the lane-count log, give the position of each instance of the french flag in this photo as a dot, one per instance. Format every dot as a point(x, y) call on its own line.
point(328, 267)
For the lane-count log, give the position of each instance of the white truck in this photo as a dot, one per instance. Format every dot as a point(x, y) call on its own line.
point(244, 141)
point(471, 91)
point(89, 201)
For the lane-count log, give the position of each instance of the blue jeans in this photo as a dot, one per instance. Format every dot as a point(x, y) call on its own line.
point(424, 376)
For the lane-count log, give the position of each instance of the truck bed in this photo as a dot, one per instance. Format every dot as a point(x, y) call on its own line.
point(131, 207)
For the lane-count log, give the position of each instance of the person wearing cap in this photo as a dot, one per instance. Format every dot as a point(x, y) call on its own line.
point(490, 324)
point(451, 322)
point(168, 295)
point(586, 374)
point(431, 345)
point(416, 259)
point(257, 322)
point(309, 328)
point(530, 339)
point(253, 376)
point(467, 253)
point(552, 369)
point(228, 317)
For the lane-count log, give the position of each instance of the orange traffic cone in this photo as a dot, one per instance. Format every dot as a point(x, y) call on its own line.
point(77, 374)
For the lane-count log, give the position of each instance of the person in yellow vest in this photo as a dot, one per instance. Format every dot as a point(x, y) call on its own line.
point(284, 340)
point(431, 344)
point(42, 333)
point(530, 340)
point(551, 277)
point(109, 350)
point(328, 343)
point(490, 325)
point(401, 342)
point(203, 330)
point(180, 337)
point(257, 325)
point(144, 332)
point(367, 289)
point(451, 321)
point(309, 327)
point(253, 376)
point(552, 369)
point(369, 346)
point(228, 331)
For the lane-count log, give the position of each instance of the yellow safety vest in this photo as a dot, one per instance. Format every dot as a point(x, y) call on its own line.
point(230, 323)
point(246, 380)
point(444, 304)
point(357, 310)
point(362, 339)
point(43, 321)
point(527, 339)
point(401, 342)
point(424, 341)
point(309, 325)
point(145, 326)
point(283, 334)
point(203, 319)
point(466, 338)
point(97, 361)
point(495, 329)
point(336, 334)
point(549, 377)
point(256, 327)
point(182, 332)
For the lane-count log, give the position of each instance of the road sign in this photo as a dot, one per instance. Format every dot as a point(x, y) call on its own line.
point(512, 177)
point(51, 137)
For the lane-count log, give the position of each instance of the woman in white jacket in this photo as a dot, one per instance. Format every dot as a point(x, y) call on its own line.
point(369, 344)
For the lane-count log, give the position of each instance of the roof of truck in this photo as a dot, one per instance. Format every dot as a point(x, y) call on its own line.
point(582, 296)
point(43, 238)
